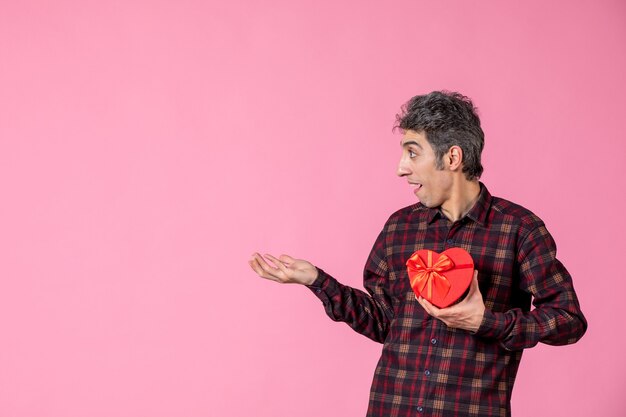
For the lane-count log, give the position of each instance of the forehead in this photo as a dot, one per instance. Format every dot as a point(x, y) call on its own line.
point(411, 137)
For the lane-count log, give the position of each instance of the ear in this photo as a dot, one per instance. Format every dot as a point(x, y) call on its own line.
point(455, 158)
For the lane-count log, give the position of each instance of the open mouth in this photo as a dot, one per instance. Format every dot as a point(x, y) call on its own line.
point(416, 186)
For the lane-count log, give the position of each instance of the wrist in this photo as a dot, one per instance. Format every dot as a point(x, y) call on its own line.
point(313, 277)
point(477, 321)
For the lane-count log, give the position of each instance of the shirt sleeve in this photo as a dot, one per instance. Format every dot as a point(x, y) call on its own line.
point(367, 313)
point(556, 318)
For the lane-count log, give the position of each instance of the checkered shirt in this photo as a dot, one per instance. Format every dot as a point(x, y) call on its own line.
point(428, 369)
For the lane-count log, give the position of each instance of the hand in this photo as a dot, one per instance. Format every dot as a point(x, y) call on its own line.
point(467, 315)
point(287, 270)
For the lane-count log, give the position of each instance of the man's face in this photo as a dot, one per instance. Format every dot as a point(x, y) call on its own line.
point(418, 166)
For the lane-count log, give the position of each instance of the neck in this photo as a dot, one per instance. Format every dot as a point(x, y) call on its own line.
point(463, 196)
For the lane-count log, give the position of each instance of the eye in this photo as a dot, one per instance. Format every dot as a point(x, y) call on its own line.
point(412, 154)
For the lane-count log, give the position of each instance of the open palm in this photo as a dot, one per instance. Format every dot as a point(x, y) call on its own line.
point(285, 269)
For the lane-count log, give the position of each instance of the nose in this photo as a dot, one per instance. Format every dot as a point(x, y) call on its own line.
point(403, 169)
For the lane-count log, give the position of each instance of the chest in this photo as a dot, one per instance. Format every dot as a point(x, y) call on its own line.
point(493, 250)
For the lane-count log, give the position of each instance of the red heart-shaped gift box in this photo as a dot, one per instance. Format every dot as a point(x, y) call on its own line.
point(440, 278)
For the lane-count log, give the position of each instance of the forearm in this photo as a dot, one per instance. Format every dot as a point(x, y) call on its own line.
point(557, 318)
point(366, 314)
point(516, 329)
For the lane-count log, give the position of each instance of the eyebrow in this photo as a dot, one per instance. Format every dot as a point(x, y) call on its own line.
point(410, 142)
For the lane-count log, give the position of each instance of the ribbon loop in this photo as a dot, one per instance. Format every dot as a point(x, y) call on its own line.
point(426, 275)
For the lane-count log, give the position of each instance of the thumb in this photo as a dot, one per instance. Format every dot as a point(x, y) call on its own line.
point(474, 285)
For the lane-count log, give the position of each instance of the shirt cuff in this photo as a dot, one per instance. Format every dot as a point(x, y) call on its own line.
point(494, 325)
point(324, 286)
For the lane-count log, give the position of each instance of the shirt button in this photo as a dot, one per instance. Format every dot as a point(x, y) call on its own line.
point(450, 241)
point(420, 409)
point(433, 341)
point(319, 290)
point(427, 372)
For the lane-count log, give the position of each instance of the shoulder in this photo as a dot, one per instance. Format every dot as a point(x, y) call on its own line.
point(514, 214)
point(409, 214)
point(407, 211)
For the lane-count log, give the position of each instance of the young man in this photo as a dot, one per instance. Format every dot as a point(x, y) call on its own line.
point(460, 360)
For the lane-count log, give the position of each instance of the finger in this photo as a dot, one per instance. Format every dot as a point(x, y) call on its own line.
point(426, 305)
point(261, 260)
point(286, 259)
point(275, 272)
point(431, 307)
point(274, 260)
point(255, 255)
point(260, 272)
point(420, 300)
point(271, 261)
point(254, 264)
point(278, 263)
point(473, 286)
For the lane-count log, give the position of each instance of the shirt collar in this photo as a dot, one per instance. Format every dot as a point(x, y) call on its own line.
point(477, 213)
point(480, 210)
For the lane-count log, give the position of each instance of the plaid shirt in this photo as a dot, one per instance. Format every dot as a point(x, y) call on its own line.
point(429, 369)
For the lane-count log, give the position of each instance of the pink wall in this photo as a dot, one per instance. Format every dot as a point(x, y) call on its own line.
point(147, 148)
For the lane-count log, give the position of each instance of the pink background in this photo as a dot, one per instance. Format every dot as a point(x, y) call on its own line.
point(147, 148)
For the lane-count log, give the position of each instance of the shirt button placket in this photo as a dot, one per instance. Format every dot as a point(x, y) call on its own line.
point(434, 341)
point(451, 232)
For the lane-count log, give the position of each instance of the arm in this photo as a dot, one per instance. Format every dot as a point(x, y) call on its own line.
point(556, 318)
point(367, 313)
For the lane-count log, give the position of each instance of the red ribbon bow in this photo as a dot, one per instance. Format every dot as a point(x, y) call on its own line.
point(425, 275)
